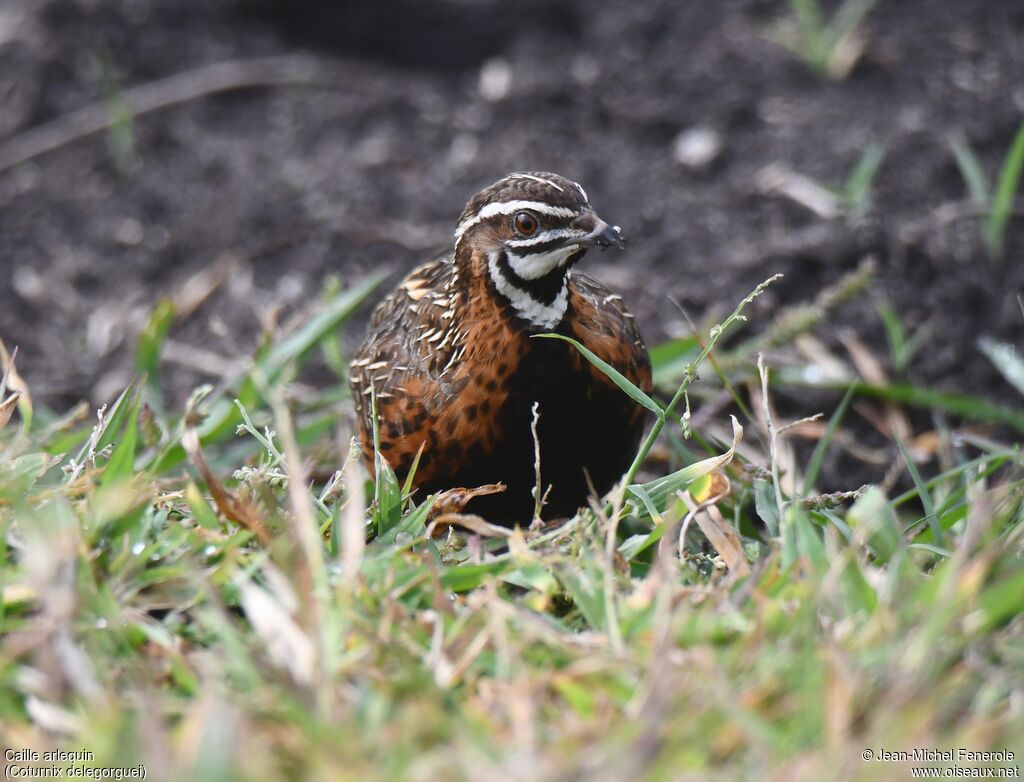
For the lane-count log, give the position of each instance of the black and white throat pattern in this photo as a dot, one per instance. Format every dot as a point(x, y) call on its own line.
point(540, 301)
point(530, 272)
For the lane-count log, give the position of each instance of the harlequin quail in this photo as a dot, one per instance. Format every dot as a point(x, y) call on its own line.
point(450, 359)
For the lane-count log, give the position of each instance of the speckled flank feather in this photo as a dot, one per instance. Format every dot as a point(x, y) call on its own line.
point(416, 360)
point(455, 372)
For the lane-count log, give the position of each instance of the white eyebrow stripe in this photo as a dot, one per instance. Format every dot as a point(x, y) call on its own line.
point(508, 207)
point(542, 180)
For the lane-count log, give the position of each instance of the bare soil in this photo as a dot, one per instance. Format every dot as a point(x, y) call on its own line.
point(402, 109)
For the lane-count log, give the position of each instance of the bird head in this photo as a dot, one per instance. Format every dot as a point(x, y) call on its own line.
point(531, 227)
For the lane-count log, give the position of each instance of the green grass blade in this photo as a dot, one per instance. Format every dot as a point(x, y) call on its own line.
point(19, 475)
point(765, 506)
point(872, 514)
point(989, 463)
point(634, 545)
point(116, 415)
point(201, 510)
point(613, 374)
point(837, 523)
point(971, 171)
point(415, 522)
point(319, 326)
point(821, 449)
point(895, 333)
point(122, 459)
point(938, 550)
point(407, 487)
point(1001, 601)
point(648, 502)
point(658, 491)
point(670, 359)
point(147, 354)
point(1006, 190)
point(808, 538)
point(812, 47)
point(969, 407)
point(462, 578)
point(587, 593)
point(857, 191)
point(846, 19)
point(858, 594)
point(387, 494)
point(924, 495)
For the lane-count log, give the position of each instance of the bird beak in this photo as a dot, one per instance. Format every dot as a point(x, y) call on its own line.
point(598, 231)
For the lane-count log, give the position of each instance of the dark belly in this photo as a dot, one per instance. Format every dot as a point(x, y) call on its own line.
point(586, 427)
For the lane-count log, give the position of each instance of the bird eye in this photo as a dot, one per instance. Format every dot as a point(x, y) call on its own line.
point(526, 223)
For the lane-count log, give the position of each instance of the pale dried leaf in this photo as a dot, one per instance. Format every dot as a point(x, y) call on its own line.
point(872, 370)
point(52, 718)
point(201, 285)
point(11, 379)
point(723, 537)
point(7, 408)
point(776, 178)
point(353, 524)
point(867, 363)
point(18, 593)
point(284, 642)
point(471, 522)
point(824, 360)
point(455, 500)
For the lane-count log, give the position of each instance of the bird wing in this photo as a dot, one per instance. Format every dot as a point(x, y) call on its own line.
point(600, 321)
point(411, 343)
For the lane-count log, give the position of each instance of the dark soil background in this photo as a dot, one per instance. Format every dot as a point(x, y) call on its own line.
point(399, 110)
